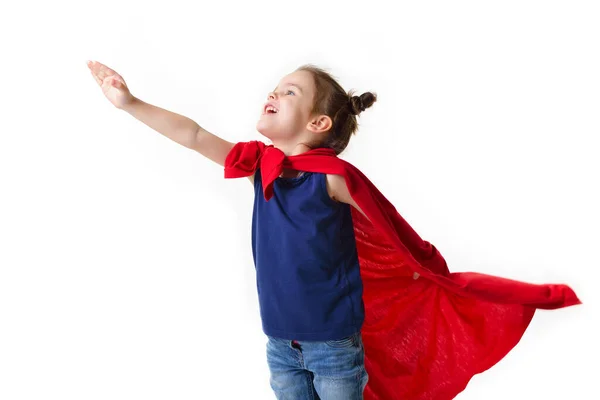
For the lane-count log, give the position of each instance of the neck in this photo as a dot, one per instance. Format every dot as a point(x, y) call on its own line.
point(292, 149)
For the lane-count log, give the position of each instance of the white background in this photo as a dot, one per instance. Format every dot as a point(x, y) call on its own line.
point(125, 261)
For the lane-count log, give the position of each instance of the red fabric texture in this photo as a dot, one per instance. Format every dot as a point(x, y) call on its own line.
point(425, 336)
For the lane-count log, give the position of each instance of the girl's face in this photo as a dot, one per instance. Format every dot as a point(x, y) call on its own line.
point(287, 111)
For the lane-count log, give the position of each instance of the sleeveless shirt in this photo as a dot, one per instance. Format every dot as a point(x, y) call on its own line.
point(307, 270)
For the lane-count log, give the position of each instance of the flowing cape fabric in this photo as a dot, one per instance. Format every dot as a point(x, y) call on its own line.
point(427, 331)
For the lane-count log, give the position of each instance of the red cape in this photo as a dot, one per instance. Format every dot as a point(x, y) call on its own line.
point(425, 335)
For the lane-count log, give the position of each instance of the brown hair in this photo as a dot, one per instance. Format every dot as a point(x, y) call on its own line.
point(332, 100)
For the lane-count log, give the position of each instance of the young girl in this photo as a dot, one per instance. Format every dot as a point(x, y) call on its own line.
point(316, 218)
point(308, 279)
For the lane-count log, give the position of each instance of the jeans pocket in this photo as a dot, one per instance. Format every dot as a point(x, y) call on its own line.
point(347, 342)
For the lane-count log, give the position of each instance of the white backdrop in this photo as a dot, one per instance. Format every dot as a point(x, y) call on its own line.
point(125, 261)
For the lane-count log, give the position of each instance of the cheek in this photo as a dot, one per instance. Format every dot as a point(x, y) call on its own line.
point(293, 112)
point(298, 110)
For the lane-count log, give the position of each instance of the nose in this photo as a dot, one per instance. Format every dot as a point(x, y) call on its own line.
point(271, 96)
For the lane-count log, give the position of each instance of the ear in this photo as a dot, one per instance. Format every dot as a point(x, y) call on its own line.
point(320, 124)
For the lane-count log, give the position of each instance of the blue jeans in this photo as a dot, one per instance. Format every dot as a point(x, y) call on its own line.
point(311, 370)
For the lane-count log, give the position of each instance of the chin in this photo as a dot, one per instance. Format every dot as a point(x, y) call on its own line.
point(265, 131)
point(272, 131)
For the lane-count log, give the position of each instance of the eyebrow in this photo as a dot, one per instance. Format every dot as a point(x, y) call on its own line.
point(291, 84)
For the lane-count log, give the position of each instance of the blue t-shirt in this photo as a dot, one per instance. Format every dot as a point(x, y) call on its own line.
point(307, 270)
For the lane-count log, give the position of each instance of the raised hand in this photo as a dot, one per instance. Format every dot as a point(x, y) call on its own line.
point(113, 85)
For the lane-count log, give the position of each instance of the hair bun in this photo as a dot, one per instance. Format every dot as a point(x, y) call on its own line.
point(360, 103)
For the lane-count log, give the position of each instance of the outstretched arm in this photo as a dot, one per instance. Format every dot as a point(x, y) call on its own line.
point(176, 127)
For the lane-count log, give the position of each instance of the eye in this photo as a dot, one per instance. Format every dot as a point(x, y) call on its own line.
point(289, 91)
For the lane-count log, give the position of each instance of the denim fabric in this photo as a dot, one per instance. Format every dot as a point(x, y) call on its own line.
point(325, 370)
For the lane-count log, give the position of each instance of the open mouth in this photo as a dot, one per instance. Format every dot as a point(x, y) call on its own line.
point(271, 110)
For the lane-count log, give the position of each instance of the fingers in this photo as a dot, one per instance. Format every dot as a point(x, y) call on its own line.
point(98, 80)
point(101, 71)
point(96, 70)
point(91, 66)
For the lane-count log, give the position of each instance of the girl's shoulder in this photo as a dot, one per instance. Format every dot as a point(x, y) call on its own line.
point(338, 191)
